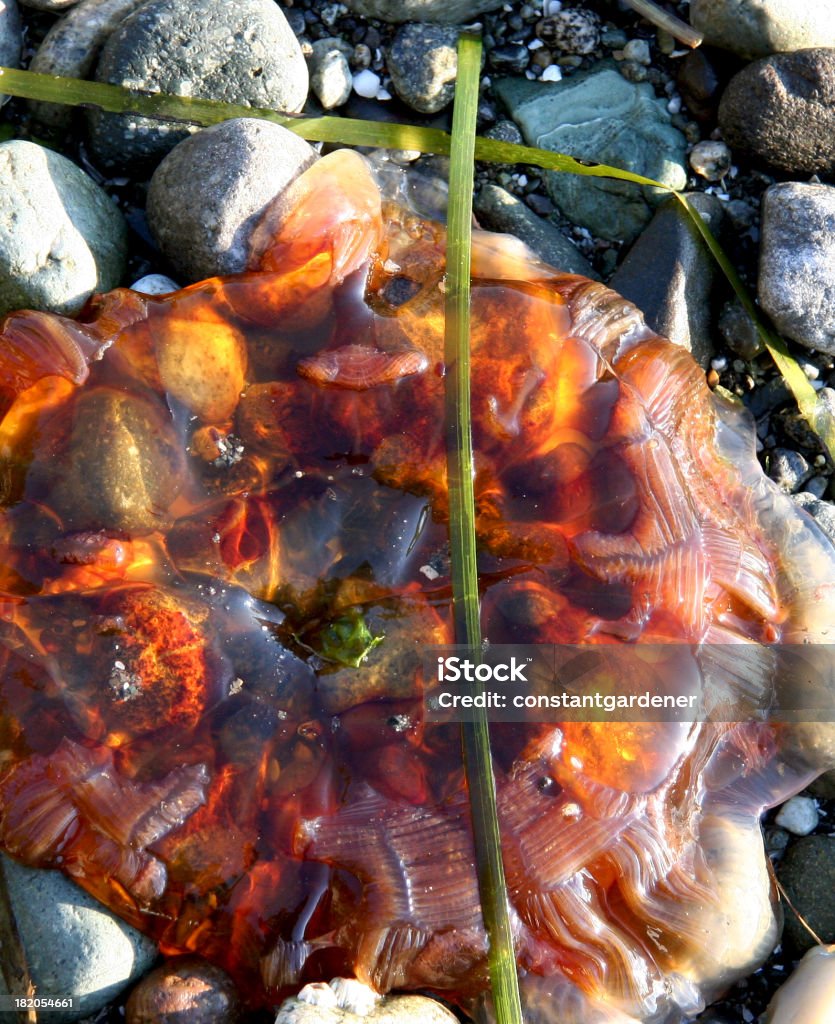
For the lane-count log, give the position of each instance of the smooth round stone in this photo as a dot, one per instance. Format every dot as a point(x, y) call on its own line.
point(781, 110)
point(422, 62)
point(440, 12)
point(74, 947)
point(155, 284)
point(11, 39)
point(572, 30)
point(796, 284)
point(330, 74)
point(799, 815)
point(207, 194)
point(808, 874)
point(61, 236)
point(242, 53)
point(71, 47)
point(597, 115)
point(187, 989)
point(755, 28)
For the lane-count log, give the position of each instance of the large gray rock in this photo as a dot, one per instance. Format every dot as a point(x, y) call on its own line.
point(207, 194)
point(422, 62)
point(442, 12)
point(11, 39)
point(71, 48)
point(781, 110)
point(597, 115)
point(796, 284)
point(498, 210)
point(61, 236)
point(242, 53)
point(669, 274)
point(74, 947)
point(755, 28)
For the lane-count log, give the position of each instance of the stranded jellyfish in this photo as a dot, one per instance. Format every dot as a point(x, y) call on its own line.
point(224, 532)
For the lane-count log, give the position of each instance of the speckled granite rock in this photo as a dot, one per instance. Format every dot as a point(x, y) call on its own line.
point(597, 115)
point(422, 62)
point(241, 53)
point(781, 111)
point(796, 284)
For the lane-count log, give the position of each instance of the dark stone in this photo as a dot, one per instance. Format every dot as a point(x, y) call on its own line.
point(512, 57)
point(498, 210)
point(781, 110)
point(698, 83)
point(422, 62)
point(807, 873)
point(669, 275)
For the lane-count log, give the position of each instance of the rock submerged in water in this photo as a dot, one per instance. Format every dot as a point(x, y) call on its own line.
point(616, 500)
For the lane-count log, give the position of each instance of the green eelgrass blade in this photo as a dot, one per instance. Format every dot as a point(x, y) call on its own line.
point(460, 471)
point(350, 132)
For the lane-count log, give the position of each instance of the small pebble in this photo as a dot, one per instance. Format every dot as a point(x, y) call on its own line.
point(573, 30)
point(799, 815)
point(185, 989)
point(366, 84)
point(711, 160)
point(551, 74)
point(637, 50)
point(155, 284)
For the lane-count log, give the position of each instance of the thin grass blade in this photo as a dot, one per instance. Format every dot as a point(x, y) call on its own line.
point(460, 470)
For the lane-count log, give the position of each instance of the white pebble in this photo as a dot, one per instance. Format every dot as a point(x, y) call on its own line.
point(318, 993)
point(155, 284)
point(353, 996)
point(535, 44)
point(719, 364)
point(382, 95)
point(674, 104)
point(550, 7)
point(798, 815)
point(366, 84)
point(551, 74)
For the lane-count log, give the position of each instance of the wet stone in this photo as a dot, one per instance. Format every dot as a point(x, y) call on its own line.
point(698, 82)
point(788, 469)
point(739, 331)
point(187, 989)
point(120, 468)
point(799, 815)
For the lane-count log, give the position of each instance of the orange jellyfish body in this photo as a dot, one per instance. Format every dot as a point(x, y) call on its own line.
point(224, 532)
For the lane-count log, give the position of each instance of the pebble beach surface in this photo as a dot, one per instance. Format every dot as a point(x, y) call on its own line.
point(745, 123)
